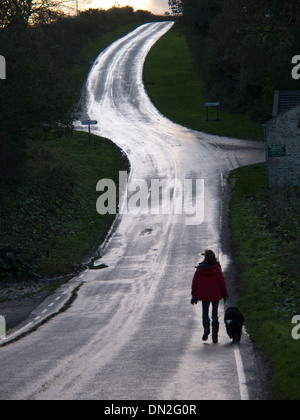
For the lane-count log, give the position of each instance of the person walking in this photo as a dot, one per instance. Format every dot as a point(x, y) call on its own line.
point(209, 286)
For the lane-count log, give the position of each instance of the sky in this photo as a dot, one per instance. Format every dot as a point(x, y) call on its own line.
point(154, 6)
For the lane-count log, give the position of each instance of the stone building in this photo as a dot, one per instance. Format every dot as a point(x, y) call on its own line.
point(283, 148)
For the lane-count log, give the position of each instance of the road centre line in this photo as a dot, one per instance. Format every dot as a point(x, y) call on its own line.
point(222, 182)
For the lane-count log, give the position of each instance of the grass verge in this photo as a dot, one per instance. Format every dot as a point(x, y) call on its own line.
point(268, 272)
point(48, 219)
point(174, 86)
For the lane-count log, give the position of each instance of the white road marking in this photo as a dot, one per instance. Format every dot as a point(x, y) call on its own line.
point(19, 331)
point(237, 354)
point(241, 374)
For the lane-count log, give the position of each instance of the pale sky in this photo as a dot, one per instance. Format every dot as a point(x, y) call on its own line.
point(154, 6)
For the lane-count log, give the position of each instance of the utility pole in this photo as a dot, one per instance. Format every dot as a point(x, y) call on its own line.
point(77, 11)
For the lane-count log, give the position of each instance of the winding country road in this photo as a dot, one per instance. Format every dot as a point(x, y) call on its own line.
point(131, 333)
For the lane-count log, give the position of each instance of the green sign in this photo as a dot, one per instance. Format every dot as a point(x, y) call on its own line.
point(277, 150)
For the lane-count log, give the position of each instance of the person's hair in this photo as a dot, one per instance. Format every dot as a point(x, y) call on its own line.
point(210, 257)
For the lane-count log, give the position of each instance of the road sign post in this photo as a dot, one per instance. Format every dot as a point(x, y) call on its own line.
point(212, 104)
point(272, 151)
point(89, 123)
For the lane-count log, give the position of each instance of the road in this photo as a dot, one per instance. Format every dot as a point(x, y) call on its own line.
point(131, 333)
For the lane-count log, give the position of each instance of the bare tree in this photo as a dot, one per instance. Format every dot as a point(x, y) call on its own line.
point(176, 6)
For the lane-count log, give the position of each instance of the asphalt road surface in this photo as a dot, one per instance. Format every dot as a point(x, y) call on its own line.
point(131, 333)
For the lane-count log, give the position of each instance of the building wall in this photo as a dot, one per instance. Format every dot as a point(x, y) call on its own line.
point(285, 129)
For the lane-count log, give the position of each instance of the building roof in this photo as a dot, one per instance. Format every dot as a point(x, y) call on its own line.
point(285, 100)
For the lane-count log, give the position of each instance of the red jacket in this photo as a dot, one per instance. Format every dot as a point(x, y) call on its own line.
point(209, 283)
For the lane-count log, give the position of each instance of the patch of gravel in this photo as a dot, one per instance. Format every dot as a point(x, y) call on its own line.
point(16, 290)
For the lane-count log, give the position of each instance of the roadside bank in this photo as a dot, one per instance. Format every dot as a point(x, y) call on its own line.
point(176, 89)
point(264, 229)
point(65, 233)
point(54, 229)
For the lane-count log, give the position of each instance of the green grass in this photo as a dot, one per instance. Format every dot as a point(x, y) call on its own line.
point(94, 48)
point(176, 89)
point(268, 297)
point(48, 217)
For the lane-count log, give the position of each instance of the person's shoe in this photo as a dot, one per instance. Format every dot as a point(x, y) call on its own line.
point(205, 335)
point(215, 332)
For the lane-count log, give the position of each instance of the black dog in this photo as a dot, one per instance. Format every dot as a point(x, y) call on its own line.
point(234, 322)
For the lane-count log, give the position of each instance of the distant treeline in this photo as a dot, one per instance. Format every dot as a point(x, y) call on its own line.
point(43, 49)
point(244, 49)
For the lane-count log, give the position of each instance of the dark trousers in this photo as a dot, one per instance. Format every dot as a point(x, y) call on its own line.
point(205, 313)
